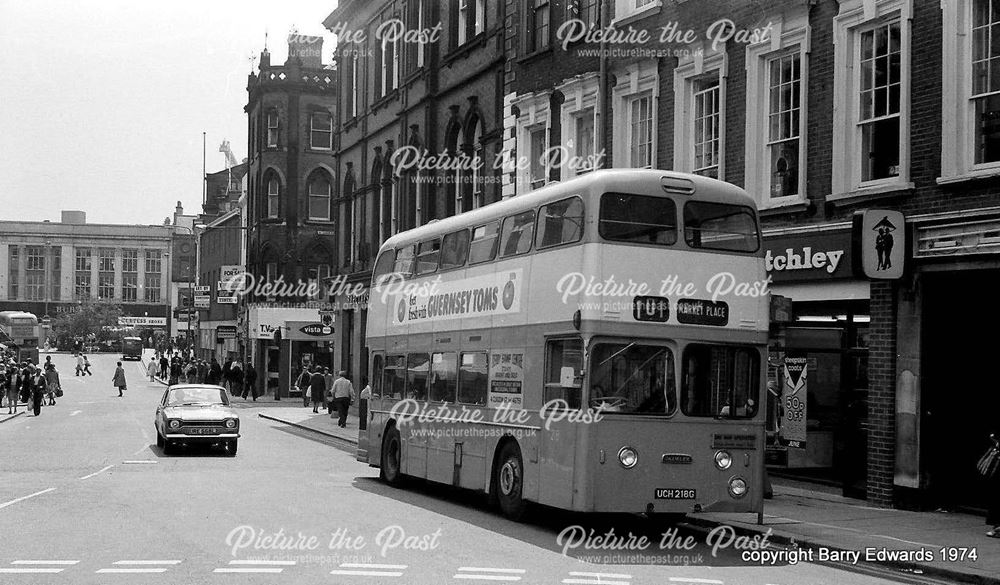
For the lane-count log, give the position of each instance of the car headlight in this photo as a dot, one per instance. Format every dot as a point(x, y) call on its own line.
point(175, 424)
point(628, 457)
point(230, 423)
point(723, 459)
point(737, 487)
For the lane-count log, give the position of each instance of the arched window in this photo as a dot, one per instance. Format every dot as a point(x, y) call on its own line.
point(478, 164)
point(452, 177)
point(318, 267)
point(273, 192)
point(319, 196)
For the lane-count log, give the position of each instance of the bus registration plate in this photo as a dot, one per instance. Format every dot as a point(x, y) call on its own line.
point(675, 494)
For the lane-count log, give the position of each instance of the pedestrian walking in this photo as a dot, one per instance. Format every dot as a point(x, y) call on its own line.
point(330, 378)
point(236, 379)
point(36, 384)
point(152, 368)
point(363, 398)
point(119, 379)
point(9, 388)
point(53, 388)
point(86, 366)
point(175, 371)
point(343, 392)
point(989, 467)
point(302, 385)
point(164, 366)
point(317, 387)
point(227, 368)
point(214, 373)
point(250, 382)
point(79, 364)
point(202, 371)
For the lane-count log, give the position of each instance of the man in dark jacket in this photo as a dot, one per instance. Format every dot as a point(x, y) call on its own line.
point(164, 366)
point(317, 387)
point(227, 369)
point(236, 378)
point(175, 371)
point(214, 372)
point(250, 382)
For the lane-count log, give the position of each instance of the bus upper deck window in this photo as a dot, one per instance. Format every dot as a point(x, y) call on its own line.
point(560, 222)
point(720, 226)
point(638, 219)
point(405, 259)
point(383, 266)
point(455, 249)
point(484, 243)
point(515, 238)
point(427, 256)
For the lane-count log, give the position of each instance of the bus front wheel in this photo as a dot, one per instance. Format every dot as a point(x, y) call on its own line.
point(508, 481)
point(391, 456)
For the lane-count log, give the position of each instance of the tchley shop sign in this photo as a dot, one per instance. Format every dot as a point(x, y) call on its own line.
point(815, 256)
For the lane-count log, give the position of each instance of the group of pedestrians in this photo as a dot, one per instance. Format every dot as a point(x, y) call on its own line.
point(28, 383)
point(182, 369)
point(319, 386)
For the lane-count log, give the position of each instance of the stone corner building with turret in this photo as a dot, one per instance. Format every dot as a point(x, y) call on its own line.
point(290, 229)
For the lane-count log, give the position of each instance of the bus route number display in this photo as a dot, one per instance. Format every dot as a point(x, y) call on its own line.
point(653, 309)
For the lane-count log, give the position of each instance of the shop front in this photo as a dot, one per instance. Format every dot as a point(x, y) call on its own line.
point(352, 318)
point(277, 352)
point(947, 319)
point(818, 359)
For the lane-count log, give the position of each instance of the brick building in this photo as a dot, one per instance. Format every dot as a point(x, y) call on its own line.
point(819, 109)
point(439, 93)
point(290, 219)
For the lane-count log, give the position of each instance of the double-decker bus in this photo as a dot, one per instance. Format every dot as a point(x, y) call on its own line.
point(22, 330)
point(596, 345)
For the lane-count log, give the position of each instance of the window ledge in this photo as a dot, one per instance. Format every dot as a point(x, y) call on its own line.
point(877, 192)
point(973, 175)
point(464, 49)
point(319, 222)
point(319, 150)
point(384, 100)
point(638, 14)
point(793, 205)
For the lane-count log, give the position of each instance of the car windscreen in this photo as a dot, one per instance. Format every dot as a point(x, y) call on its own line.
point(179, 396)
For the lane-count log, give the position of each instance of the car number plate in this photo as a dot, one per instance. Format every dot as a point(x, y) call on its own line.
point(203, 431)
point(675, 494)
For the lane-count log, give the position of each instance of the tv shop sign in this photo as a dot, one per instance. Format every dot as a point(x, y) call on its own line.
point(812, 257)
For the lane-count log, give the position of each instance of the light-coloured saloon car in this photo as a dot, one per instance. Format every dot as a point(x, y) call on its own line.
point(196, 413)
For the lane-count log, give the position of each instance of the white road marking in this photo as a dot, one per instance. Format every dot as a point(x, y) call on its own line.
point(486, 577)
point(132, 571)
point(694, 580)
point(490, 570)
point(370, 566)
point(6, 570)
point(367, 573)
point(97, 472)
point(22, 498)
point(597, 581)
point(925, 545)
point(75, 412)
point(599, 575)
point(146, 563)
point(261, 562)
point(44, 562)
point(140, 462)
point(250, 570)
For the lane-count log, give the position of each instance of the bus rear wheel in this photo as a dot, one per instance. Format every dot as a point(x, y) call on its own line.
point(391, 456)
point(508, 481)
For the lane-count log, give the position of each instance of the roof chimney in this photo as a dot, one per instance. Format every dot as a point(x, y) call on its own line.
point(74, 217)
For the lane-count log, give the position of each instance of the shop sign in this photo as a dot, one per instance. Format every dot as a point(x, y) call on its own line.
point(309, 331)
point(793, 399)
point(200, 290)
point(879, 244)
point(506, 378)
point(225, 332)
point(202, 301)
point(228, 275)
point(817, 256)
point(143, 321)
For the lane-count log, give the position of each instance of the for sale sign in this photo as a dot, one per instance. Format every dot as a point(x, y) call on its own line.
point(793, 400)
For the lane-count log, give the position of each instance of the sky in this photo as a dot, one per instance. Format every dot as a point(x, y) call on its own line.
point(103, 103)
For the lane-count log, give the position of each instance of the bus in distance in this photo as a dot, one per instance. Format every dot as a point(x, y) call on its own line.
point(21, 329)
point(595, 345)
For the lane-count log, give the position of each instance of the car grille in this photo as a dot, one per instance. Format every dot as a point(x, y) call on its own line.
point(203, 423)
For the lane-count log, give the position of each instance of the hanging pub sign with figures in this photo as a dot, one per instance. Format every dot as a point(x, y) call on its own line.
point(879, 243)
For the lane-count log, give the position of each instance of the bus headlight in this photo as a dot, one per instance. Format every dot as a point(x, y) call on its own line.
point(737, 487)
point(174, 424)
point(628, 457)
point(723, 459)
